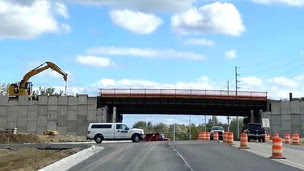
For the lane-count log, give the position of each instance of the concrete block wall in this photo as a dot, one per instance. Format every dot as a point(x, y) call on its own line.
point(286, 117)
point(67, 114)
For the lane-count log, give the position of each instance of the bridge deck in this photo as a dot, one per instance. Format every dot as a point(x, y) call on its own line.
point(179, 93)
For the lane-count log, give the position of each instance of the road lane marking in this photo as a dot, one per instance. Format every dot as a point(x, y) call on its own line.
point(186, 163)
point(71, 161)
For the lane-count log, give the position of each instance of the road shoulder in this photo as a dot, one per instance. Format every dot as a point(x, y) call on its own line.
point(73, 160)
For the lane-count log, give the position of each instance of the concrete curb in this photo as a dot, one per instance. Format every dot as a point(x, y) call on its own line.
point(71, 161)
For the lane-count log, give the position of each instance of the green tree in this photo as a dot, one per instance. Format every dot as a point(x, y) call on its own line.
point(140, 124)
point(3, 89)
point(48, 91)
point(233, 126)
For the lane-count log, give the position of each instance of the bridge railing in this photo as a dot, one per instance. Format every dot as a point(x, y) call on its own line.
point(184, 93)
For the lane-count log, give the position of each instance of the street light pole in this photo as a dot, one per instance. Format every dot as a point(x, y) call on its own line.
point(174, 132)
point(189, 128)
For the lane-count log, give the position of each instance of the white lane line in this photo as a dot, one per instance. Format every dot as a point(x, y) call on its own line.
point(71, 161)
point(186, 163)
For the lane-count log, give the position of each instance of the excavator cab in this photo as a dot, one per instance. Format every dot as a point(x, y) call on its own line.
point(14, 89)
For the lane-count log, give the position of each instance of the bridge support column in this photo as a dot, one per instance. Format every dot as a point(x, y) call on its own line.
point(114, 115)
point(251, 116)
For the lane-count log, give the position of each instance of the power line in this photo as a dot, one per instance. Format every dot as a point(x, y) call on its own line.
point(274, 68)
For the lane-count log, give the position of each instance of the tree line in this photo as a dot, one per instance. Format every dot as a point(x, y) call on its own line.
point(47, 91)
point(182, 130)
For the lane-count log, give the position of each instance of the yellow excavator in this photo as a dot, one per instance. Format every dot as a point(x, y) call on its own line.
point(24, 88)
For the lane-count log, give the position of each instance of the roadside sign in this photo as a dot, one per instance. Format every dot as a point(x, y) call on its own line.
point(265, 122)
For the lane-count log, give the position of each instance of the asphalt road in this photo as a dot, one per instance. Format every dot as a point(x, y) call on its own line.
point(177, 156)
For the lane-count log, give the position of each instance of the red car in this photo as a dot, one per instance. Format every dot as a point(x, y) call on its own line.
point(156, 137)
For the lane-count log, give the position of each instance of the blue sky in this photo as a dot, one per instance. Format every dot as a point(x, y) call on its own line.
point(187, 44)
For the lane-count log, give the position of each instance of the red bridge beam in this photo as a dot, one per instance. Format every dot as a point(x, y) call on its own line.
point(183, 93)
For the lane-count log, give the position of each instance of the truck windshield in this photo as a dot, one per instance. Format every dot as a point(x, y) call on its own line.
point(254, 126)
point(217, 128)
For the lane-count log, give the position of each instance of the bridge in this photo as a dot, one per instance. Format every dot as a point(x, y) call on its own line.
point(182, 101)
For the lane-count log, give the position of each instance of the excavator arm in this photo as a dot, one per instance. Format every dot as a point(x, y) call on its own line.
point(25, 88)
point(39, 69)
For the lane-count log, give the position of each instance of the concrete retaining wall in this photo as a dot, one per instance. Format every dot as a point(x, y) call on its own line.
point(286, 117)
point(66, 114)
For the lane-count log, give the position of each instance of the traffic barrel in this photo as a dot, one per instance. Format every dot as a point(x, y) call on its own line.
point(207, 136)
point(287, 138)
point(276, 135)
point(215, 136)
point(277, 148)
point(225, 137)
point(295, 139)
point(230, 138)
point(200, 136)
point(244, 141)
point(267, 137)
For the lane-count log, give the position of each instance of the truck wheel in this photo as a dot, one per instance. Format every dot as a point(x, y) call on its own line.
point(135, 138)
point(98, 139)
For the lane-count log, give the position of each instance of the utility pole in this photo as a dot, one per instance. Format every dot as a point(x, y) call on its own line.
point(236, 93)
point(228, 87)
point(189, 128)
point(205, 123)
point(174, 132)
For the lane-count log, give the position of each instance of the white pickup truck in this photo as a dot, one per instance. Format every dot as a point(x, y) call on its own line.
point(113, 131)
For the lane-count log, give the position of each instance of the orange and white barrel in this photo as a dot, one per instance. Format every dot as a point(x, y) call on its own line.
point(204, 136)
point(230, 138)
point(267, 137)
point(277, 148)
point(207, 136)
point(200, 136)
point(215, 136)
point(225, 136)
point(287, 138)
point(276, 135)
point(244, 141)
point(295, 139)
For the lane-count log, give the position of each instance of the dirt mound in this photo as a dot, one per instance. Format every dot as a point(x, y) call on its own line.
point(10, 138)
point(30, 159)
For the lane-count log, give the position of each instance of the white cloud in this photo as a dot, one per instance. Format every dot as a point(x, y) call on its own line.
point(61, 9)
point(30, 19)
point(202, 83)
point(199, 42)
point(288, 2)
point(135, 21)
point(277, 87)
point(53, 74)
point(66, 28)
point(230, 54)
point(146, 53)
point(142, 5)
point(217, 18)
point(94, 61)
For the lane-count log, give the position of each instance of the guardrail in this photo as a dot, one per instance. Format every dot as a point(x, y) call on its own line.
point(183, 93)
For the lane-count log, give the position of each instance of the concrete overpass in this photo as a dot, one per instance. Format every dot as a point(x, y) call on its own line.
point(116, 102)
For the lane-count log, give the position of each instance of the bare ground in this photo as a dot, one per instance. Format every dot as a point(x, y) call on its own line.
point(9, 138)
point(30, 159)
